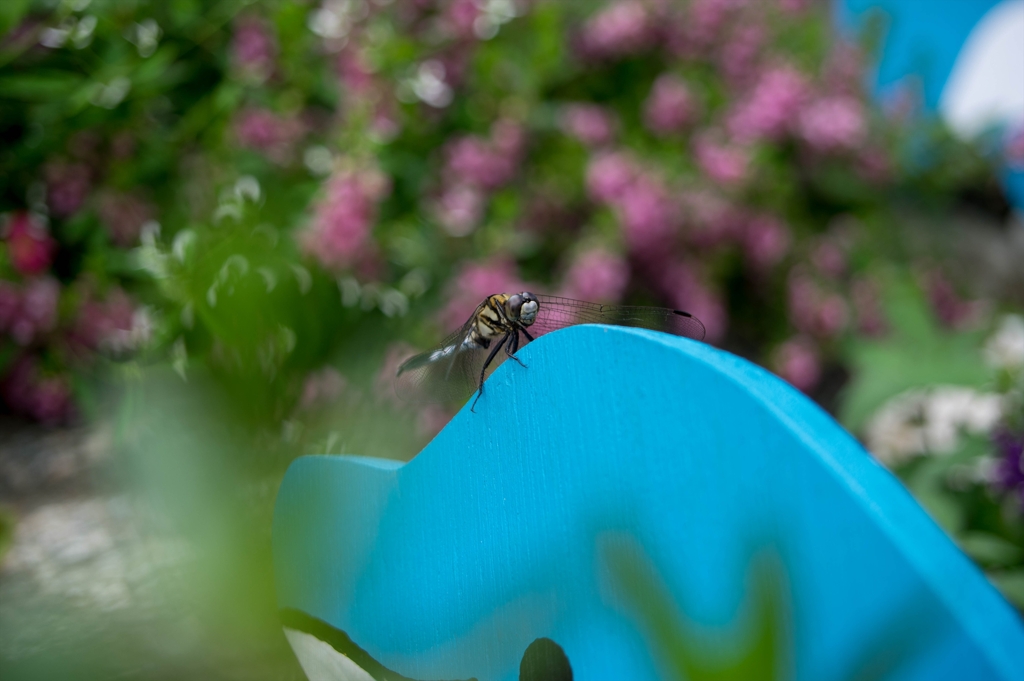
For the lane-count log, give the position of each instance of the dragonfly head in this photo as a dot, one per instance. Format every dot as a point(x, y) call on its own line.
point(523, 307)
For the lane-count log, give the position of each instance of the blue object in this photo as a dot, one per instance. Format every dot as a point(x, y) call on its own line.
point(451, 565)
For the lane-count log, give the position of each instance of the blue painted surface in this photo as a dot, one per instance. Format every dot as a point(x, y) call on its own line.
point(924, 39)
point(450, 565)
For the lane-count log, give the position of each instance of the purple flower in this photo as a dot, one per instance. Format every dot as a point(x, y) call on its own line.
point(725, 164)
point(274, 136)
point(460, 208)
point(589, 123)
point(738, 56)
point(597, 275)
point(29, 311)
point(868, 309)
point(67, 186)
point(670, 106)
point(1009, 472)
point(705, 21)
point(951, 310)
point(646, 212)
point(474, 160)
point(29, 244)
point(461, 16)
point(829, 259)
point(124, 215)
point(340, 230)
point(812, 311)
point(619, 29)
point(608, 176)
point(355, 72)
point(769, 108)
point(797, 360)
point(766, 241)
point(833, 123)
point(713, 220)
point(30, 392)
point(107, 325)
point(253, 48)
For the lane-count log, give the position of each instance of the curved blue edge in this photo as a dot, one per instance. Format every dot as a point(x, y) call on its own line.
point(450, 565)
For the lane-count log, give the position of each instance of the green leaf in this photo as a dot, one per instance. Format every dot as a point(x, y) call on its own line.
point(990, 549)
point(11, 13)
point(916, 353)
point(39, 85)
point(1011, 583)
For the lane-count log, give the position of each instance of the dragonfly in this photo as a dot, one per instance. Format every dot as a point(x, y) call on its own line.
point(457, 366)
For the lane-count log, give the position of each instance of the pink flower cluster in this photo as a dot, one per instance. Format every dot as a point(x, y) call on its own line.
point(622, 28)
point(272, 135)
point(640, 200)
point(474, 167)
point(766, 241)
point(67, 187)
point(28, 311)
point(813, 311)
point(589, 123)
point(799, 362)
point(339, 233)
point(597, 275)
point(39, 395)
point(111, 325)
point(771, 106)
point(30, 247)
point(723, 163)
point(833, 124)
point(123, 215)
point(670, 106)
point(738, 56)
point(253, 47)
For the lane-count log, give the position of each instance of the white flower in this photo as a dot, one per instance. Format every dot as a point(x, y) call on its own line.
point(1005, 348)
point(929, 421)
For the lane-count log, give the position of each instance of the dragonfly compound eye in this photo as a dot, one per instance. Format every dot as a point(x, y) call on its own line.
point(515, 305)
point(528, 313)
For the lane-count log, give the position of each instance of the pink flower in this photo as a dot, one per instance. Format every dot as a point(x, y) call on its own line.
point(738, 56)
point(713, 221)
point(274, 136)
point(646, 212)
point(619, 29)
point(342, 219)
point(67, 186)
point(812, 311)
point(951, 310)
point(36, 310)
point(766, 241)
point(770, 107)
point(725, 164)
point(124, 215)
point(111, 325)
point(355, 72)
point(460, 208)
point(706, 19)
point(670, 106)
point(870, 317)
point(608, 176)
point(798, 362)
point(473, 160)
point(589, 123)
point(10, 303)
point(460, 16)
point(29, 392)
point(597, 275)
point(833, 123)
point(322, 388)
point(29, 245)
point(474, 282)
point(829, 259)
point(253, 48)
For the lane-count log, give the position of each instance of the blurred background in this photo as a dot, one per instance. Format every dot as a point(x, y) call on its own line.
point(225, 223)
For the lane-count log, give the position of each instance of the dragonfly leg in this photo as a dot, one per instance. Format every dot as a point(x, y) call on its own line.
point(483, 371)
point(526, 333)
point(513, 347)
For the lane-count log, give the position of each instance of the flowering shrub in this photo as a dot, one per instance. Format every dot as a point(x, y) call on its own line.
point(281, 182)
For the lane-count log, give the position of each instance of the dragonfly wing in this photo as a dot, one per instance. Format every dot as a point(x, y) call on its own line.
point(557, 313)
point(447, 374)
